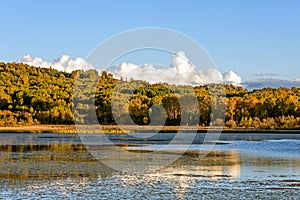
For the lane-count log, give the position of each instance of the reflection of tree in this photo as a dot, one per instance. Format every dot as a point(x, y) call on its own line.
point(216, 164)
point(49, 160)
point(180, 176)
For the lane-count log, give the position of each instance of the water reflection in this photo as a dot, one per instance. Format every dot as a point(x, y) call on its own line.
point(181, 175)
point(215, 165)
point(61, 167)
point(68, 159)
point(48, 160)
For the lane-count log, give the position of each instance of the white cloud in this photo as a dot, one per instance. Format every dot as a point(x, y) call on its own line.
point(232, 77)
point(62, 63)
point(181, 71)
point(296, 79)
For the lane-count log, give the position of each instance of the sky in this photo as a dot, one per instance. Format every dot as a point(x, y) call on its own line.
point(258, 40)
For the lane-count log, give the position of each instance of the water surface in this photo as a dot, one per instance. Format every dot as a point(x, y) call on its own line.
point(250, 166)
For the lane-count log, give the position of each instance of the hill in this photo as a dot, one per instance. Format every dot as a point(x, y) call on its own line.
point(31, 95)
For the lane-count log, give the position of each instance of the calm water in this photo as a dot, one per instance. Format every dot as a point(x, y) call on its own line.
point(241, 166)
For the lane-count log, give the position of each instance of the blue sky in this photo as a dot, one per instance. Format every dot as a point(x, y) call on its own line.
point(249, 37)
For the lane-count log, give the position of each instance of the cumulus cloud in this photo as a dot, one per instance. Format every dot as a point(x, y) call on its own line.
point(62, 63)
point(181, 71)
point(232, 77)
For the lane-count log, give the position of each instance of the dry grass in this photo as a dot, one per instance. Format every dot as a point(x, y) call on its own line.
point(126, 128)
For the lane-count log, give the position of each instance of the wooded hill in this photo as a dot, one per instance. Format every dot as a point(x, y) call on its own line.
point(31, 95)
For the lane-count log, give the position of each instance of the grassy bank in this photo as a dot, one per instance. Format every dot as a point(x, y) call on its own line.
point(125, 129)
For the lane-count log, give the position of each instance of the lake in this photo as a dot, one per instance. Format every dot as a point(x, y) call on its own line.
point(240, 166)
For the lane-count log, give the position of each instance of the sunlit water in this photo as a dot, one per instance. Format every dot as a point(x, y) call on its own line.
point(241, 166)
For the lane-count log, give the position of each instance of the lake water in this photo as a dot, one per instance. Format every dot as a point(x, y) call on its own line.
point(241, 166)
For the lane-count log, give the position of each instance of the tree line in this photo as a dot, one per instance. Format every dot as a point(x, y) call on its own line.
point(33, 95)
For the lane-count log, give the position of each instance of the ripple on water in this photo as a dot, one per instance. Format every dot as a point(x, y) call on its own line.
point(66, 170)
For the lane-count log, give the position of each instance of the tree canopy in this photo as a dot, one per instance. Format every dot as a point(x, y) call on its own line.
point(32, 95)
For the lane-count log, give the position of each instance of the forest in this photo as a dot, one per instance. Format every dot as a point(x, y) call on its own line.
point(33, 95)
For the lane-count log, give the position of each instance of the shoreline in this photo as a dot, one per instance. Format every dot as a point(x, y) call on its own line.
point(115, 129)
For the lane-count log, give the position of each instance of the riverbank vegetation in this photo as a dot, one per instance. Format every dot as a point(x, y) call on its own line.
point(32, 96)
